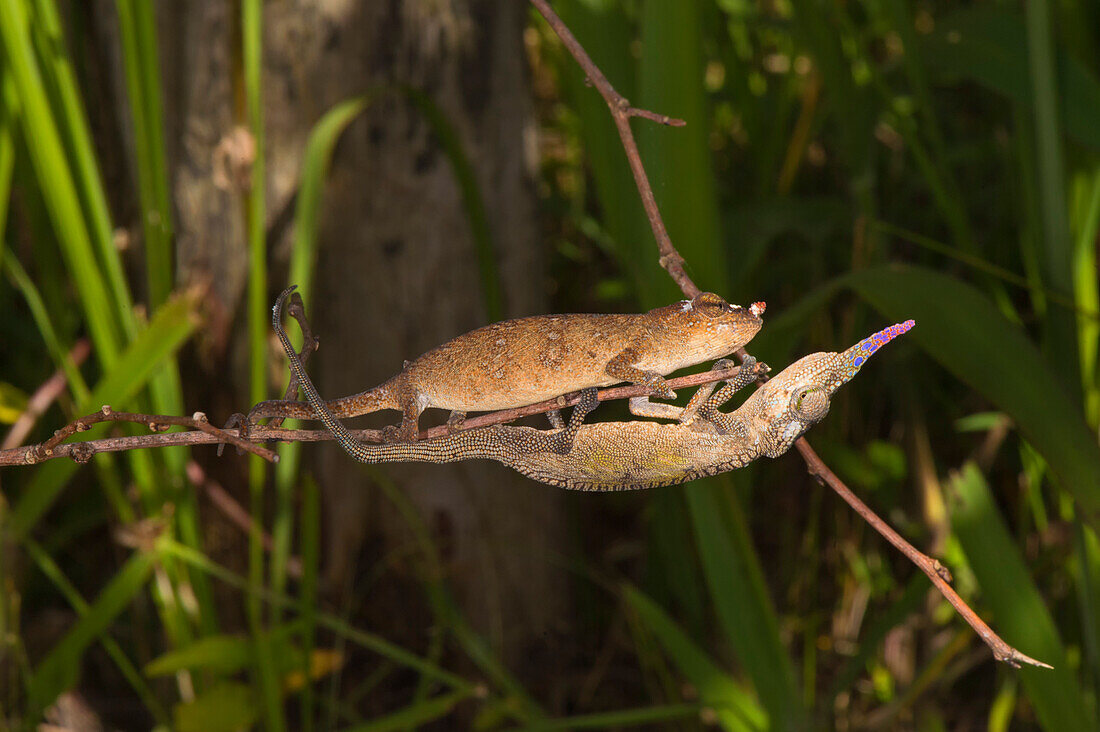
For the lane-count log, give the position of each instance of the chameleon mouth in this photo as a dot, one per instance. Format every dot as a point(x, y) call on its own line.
point(758, 308)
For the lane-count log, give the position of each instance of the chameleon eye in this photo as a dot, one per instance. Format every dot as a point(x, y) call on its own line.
point(811, 404)
point(711, 305)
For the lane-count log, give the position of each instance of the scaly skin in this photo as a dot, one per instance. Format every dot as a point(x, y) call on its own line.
point(612, 456)
point(519, 362)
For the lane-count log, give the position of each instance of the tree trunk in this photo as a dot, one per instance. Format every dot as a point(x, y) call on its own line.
point(397, 271)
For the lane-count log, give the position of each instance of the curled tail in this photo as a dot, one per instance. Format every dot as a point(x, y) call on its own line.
point(461, 446)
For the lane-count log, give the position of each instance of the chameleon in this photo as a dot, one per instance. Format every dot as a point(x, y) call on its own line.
point(609, 456)
point(518, 362)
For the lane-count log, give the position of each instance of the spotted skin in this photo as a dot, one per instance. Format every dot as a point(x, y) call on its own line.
point(519, 362)
point(614, 456)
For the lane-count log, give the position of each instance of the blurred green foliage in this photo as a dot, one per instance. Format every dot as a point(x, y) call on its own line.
point(851, 163)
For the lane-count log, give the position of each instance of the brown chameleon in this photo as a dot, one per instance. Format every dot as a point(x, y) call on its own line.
point(519, 362)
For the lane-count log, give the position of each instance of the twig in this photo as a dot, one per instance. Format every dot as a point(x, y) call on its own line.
point(670, 259)
point(621, 112)
point(82, 451)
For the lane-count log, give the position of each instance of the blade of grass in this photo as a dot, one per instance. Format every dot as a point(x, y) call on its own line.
point(736, 709)
point(1057, 252)
point(337, 625)
point(137, 32)
point(49, 568)
point(414, 715)
point(59, 669)
point(75, 131)
point(1018, 608)
point(310, 547)
point(670, 74)
point(1087, 290)
point(606, 33)
point(7, 159)
point(740, 598)
point(252, 60)
point(50, 164)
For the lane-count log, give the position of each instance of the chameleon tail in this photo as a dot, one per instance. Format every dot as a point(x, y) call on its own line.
point(347, 441)
point(450, 448)
point(853, 359)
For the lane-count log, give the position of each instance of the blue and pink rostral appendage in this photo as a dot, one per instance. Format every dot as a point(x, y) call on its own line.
point(858, 354)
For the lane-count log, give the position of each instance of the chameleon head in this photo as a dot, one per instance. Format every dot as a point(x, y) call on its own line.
point(798, 398)
point(711, 327)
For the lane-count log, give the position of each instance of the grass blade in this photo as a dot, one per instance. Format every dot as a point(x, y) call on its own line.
point(736, 709)
point(48, 158)
point(1057, 250)
point(413, 715)
point(58, 670)
point(170, 328)
point(740, 598)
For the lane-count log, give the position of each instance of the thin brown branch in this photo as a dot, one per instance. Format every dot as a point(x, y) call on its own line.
point(936, 572)
point(670, 259)
point(621, 112)
point(210, 435)
point(82, 452)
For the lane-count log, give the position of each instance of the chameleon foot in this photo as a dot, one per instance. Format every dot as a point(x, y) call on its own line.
point(660, 387)
point(556, 422)
point(455, 420)
point(235, 419)
point(563, 441)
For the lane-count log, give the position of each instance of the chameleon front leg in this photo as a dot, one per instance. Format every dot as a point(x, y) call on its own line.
point(642, 407)
point(621, 367)
point(708, 410)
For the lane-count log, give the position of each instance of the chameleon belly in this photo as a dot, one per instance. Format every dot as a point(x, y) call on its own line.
point(632, 456)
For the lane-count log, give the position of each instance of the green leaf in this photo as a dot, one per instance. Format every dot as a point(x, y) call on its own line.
point(223, 653)
point(678, 160)
point(227, 707)
point(315, 166)
point(1019, 613)
point(968, 336)
point(736, 709)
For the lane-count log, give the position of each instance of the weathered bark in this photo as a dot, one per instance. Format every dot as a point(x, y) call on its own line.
point(397, 271)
